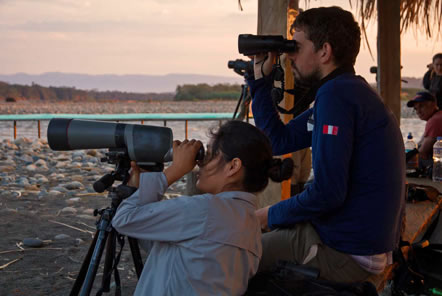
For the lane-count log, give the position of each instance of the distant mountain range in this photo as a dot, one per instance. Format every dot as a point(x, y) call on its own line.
point(110, 82)
point(135, 83)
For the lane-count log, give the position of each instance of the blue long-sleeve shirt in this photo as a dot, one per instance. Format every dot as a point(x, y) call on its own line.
point(356, 199)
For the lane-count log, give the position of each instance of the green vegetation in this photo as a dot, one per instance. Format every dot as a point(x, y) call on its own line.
point(409, 93)
point(204, 91)
point(190, 92)
point(38, 92)
point(232, 92)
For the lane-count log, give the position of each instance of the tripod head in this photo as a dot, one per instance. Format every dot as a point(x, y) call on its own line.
point(120, 158)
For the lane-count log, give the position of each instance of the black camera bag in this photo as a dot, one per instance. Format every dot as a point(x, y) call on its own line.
point(289, 279)
point(422, 270)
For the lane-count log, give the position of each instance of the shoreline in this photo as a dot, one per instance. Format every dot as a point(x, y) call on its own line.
point(196, 129)
point(116, 107)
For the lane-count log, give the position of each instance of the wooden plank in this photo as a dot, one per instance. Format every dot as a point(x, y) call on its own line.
point(426, 182)
point(389, 55)
point(289, 100)
point(272, 21)
point(418, 217)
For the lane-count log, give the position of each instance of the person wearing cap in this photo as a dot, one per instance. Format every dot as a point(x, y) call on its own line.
point(433, 79)
point(424, 103)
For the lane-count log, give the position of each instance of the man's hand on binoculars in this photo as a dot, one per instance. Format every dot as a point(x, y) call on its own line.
point(263, 64)
point(184, 159)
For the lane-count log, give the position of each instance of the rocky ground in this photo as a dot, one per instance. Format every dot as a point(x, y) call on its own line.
point(47, 201)
point(46, 217)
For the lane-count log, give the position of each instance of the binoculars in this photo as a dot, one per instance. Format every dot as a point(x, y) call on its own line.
point(249, 44)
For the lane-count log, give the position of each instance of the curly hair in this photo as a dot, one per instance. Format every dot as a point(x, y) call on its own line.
point(335, 26)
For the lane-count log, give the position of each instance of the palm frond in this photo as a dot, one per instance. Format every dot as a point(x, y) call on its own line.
point(419, 14)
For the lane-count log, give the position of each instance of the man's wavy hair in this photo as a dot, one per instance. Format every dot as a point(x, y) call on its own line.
point(335, 26)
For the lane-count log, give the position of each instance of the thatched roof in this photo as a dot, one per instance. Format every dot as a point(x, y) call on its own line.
point(419, 14)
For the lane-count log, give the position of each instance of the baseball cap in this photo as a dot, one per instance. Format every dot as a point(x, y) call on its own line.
point(421, 97)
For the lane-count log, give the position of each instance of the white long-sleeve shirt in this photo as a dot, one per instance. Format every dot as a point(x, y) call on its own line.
point(202, 245)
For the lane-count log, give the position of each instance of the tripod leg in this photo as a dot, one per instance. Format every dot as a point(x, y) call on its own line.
point(136, 255)
point(247, 101)
point(82, 274)
point(103, 231)
point(108, 261)
point(239, 102)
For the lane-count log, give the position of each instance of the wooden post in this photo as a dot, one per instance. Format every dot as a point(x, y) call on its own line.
point(389, 55)
point(272, 20)
point(15, 129)
point(272, 17)
point(39, 133)
point(289, 100)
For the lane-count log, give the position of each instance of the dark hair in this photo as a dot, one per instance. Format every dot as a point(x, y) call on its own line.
point(237, 139)
point(335, 26)
point(437, 56)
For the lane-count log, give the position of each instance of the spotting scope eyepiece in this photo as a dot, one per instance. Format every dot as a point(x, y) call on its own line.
point(147, 145)
point(249, 44)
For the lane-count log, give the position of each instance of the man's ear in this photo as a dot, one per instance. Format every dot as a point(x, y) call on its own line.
point(234, 166)
point(326, 54)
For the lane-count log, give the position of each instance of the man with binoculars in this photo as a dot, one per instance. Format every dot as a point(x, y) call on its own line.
point(347, 222)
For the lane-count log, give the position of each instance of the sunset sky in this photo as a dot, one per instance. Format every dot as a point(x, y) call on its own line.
point(151, 37)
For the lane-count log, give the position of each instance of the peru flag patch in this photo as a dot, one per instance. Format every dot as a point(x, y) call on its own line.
point(330, 130)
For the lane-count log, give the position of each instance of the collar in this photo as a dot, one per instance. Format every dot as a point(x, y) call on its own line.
point(242, 195)
point(310, 95)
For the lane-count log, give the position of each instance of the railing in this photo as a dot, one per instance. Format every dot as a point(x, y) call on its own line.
point(165, 117)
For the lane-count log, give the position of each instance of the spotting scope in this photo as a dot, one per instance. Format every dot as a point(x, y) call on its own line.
point(147, 145)
point(249, 44)
point(241, 67)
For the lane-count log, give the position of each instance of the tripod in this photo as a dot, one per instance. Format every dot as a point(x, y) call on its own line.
point(244, 102)
point(106, 235)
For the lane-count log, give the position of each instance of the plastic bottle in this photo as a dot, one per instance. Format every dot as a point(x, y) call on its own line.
point(437, 160)
point(413, 163)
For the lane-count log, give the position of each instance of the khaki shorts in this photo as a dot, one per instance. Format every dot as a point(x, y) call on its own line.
point(295, 245)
